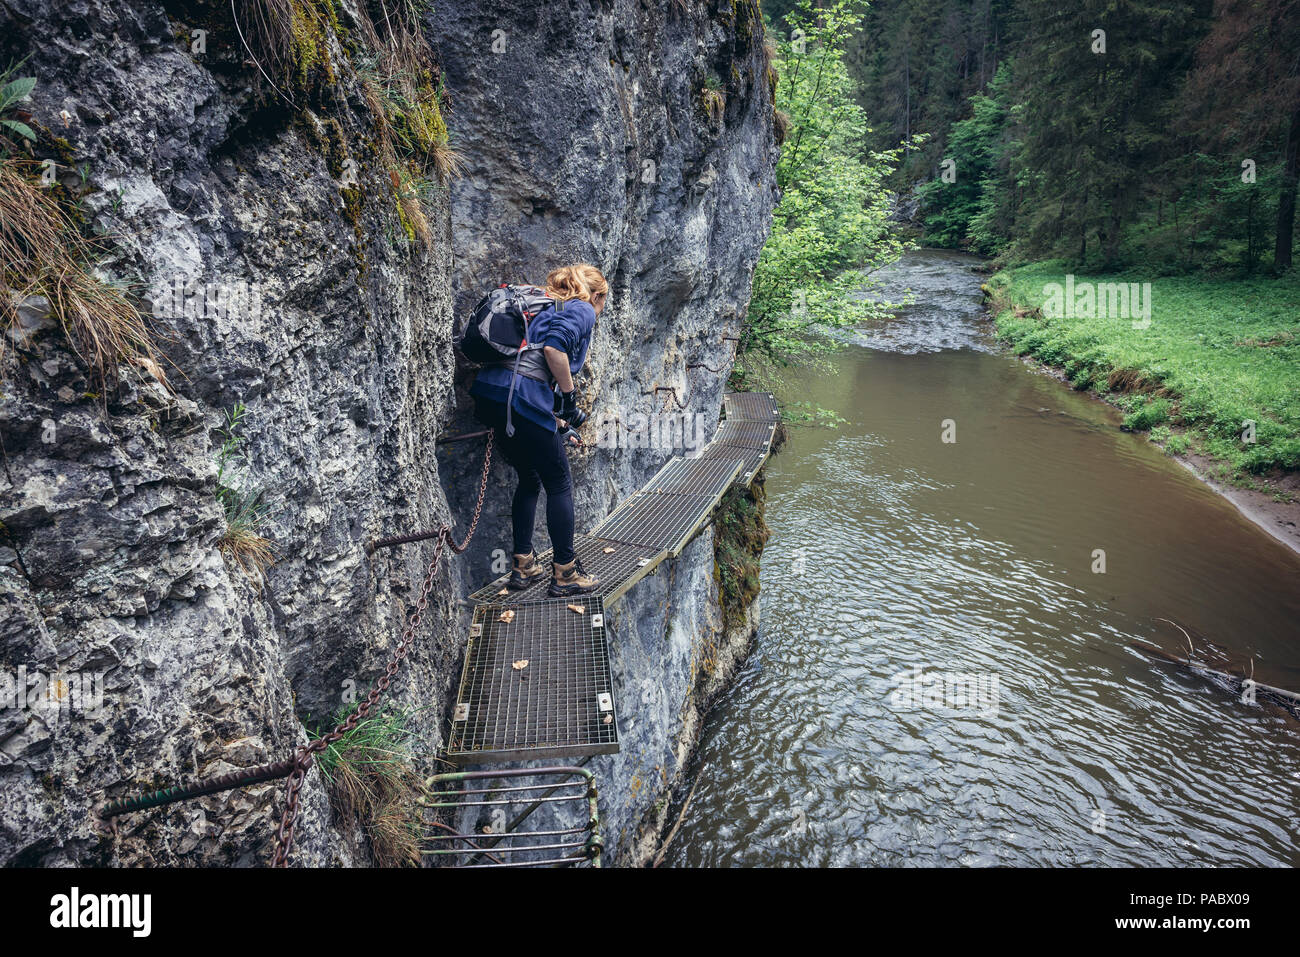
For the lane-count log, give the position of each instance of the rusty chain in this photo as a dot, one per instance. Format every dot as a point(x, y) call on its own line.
point(305, 754)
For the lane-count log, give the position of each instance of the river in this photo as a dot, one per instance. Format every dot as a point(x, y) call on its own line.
point(1012, 569)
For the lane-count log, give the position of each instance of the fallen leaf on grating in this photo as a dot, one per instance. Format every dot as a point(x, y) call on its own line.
point(577, 609)
point(507, 616)
point(609, 719)
point(504, 591)
point(608, 551)
point(520, 665)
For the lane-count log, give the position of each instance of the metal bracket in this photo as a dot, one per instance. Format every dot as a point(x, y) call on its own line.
point(462, 713)
point(604, 701)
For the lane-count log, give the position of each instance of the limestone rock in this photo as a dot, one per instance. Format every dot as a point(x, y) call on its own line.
point(586, 142)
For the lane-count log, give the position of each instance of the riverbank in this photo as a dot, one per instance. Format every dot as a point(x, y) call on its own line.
point(1208, 369)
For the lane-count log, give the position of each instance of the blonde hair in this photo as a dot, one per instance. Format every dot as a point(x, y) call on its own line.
point(579, 281)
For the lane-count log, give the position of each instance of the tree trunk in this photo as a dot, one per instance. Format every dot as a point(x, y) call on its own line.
point(1286, 199)
point(907, 93)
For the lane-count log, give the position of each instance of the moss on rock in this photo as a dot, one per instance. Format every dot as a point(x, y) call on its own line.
point(740, 534)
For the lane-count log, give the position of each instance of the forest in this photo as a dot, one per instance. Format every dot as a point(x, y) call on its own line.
point(1154, 141)
point(1161, 134)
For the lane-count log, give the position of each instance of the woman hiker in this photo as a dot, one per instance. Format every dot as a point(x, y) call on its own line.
point(536, 449)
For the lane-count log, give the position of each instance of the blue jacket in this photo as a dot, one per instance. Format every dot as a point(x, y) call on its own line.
point(569, 330)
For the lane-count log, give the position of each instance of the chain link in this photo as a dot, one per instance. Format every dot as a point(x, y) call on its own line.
point(306, 753)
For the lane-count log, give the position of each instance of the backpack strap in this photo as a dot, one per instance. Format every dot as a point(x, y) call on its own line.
point(514, 373)
point(524, 346)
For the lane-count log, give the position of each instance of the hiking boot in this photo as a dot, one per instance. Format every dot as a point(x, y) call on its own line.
point(570, 579)
point(526, 571)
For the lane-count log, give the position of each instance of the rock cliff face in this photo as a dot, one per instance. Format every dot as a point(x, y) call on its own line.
point(634, 136)
point(637, 137)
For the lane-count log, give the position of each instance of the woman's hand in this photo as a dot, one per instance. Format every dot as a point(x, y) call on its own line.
point(568, 432)
point(568, 408)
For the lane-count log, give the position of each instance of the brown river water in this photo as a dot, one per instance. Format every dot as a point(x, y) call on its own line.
point(944, 674)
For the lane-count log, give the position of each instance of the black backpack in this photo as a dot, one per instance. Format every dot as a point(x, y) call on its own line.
point(496, 333)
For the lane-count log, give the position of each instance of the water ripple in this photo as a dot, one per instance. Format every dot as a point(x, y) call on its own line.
point(894, 556)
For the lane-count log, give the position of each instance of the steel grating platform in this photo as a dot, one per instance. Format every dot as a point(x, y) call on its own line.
point(745, 434)
point(752, 459)
point(658, 520)
point(536, 681)
point(618, 565)
point(697, 476)
point(760, 406)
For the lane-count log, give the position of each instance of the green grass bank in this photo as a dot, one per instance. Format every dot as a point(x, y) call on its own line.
point(1207, 366)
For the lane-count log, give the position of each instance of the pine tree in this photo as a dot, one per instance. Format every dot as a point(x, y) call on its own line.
point(1244, 95)
point(1097, 88)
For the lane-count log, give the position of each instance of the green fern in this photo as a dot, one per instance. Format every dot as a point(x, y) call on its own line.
point(13, 92)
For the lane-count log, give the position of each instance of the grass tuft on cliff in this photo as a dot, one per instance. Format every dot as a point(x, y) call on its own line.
point(401, 88)
point(1218, 355)
point(244, 505)
point(372, 780)
point(42, 253)
point(291, 42)
point(713, 98)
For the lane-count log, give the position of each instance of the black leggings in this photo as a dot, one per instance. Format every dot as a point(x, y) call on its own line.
point(538, 457)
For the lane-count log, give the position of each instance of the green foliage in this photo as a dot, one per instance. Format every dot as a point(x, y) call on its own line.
point(1218, 353)
point(1151, 413)
point(244, 506)
point(13, 90)
point(964, 212)
point(917, 63)
point(1215, 221)
point(1166, 149)
point(381, 743)
point(1092, 121)
point(412, 106)
point(371, 775)
point(414, 143)
point(830, 228)
point(740, 534)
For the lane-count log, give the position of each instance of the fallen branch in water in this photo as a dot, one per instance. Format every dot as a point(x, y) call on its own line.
point(1190, 650)
point(663, 849)
point(1240, 680)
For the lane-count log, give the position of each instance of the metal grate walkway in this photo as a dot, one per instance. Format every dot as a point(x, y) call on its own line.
point(536, 681)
